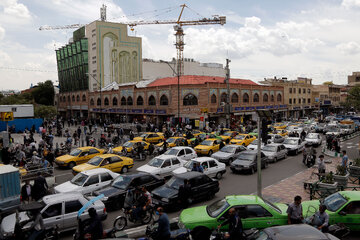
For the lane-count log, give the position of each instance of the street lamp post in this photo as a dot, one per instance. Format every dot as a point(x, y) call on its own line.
point(99, 82)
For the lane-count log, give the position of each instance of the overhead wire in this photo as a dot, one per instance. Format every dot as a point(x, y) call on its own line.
point(26, 69)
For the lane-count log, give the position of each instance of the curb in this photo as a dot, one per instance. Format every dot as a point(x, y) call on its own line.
point(350, 136)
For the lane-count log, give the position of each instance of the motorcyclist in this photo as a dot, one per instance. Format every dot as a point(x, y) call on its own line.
point(94, 228)
point(235, 225)
point(140, 205)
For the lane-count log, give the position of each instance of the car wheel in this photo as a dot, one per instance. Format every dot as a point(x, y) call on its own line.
point(296, 152)
point(286, 155)
point(71, 165)
point(124, 169)
point(120, 223)
point(230, 161)
point(201, 233)
point(147, 218)
point(275, 160)
point(218, 175)
point(210, 153)
point(252, 170)
point(266, 164)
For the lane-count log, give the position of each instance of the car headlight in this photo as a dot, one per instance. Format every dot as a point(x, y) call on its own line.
point(165, 199)
point(105, 199)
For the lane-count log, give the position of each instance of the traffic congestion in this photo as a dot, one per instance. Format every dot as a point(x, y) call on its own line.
point(142, 174)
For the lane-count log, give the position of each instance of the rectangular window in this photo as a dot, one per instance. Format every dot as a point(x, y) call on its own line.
point(303, 100)
point(309, 91)
point(290, 90)
point(84, 45)
point(94, 48)
point(309, 100)
point(299, 90)
point(294, 100)
point(290, 101)
point(304, 90)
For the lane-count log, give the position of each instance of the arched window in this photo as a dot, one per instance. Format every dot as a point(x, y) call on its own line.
point(152, 101)
point(114, 101)
point(123, 101)
point(213, 98)
point(164, 100)
point(73, 98)
point(129, 101)
point(106, 101)
point(265, 98)
point(84, 98)
point(92, 102)
point(279, 97)
point(190, 100)
point(234, 98)
point(223, 98)
point(68, 98)
point(272, 98)
point(64, 99)
point(246, 98)
point(256, 97)
point(98, 102)
point(140, 101)
point(78, 98)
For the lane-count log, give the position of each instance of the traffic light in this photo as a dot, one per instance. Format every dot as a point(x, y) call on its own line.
point(264, 131)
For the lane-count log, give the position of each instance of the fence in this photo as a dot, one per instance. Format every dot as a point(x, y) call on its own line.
point(21, 123)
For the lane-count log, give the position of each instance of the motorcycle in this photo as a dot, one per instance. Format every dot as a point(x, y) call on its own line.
point(121, 221)
point(247, 234)
point(309, 160)
point(175, 232)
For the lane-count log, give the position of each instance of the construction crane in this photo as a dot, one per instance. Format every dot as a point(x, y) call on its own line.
point(178, 27)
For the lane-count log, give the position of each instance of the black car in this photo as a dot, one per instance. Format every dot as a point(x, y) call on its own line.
point(115, 193)
point(202, 187)
point(246, 161)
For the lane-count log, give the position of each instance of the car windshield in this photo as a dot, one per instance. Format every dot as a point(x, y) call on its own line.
point(216, 208)
point(170, 140)
point(334, 202)
point(79, 179)
point(75, 152)
point(312, 136)
point(240, 137)
point(207, 143)
point(273, 206)
point(144, 135)
point(175, 182)
point(227, 134)
point(246, 157)
point(291, 141)
point(121, 182)
point(156, 162)
point(128, 144)
point(255, 142)
point(189, 164)
point(268, 148)
point(228, 149)
point(171, 152)
point(95, 161)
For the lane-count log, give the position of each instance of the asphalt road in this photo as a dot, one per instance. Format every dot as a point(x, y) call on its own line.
point(230, 184)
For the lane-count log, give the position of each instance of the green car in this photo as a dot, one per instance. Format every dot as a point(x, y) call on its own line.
point(254, 211)
point(342, 207)
point(254, 133)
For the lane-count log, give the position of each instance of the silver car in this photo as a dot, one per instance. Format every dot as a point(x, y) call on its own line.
point(59, 210)
point(275, 152)
point(313, 139)
point(228, 153)
point(276, 138)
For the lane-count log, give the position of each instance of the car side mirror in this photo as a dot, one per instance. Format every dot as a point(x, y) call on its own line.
point(342, 213)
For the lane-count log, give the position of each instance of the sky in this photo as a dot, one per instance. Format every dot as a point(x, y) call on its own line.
point(318, 39)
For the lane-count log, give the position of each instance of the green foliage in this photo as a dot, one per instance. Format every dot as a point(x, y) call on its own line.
point(340, 170)
point(329, 178)
point(42, 111)
point(353, 98)
point(44, 93)
point(25, 98)
point(356, 162)
point(328, 83)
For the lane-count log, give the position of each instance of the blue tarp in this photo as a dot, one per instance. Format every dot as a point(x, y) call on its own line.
point(22, 123)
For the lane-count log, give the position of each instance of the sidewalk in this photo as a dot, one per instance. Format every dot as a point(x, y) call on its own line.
point(285, 190)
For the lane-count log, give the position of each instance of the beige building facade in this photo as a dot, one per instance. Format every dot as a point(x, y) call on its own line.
point(354, 79)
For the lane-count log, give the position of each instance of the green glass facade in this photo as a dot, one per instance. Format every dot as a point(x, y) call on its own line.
point(72, 63)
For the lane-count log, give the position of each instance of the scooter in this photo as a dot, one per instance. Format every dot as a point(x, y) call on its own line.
point(309, 161)
point(121, 221)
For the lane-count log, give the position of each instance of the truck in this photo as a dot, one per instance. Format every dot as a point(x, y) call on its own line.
point(10, 188)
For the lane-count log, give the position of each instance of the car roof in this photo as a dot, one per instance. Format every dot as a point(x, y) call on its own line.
point(181, 147)
point(274, 144)
point(233, 145)
point(139, 174)
point(351, 194)
point(296, 232)
point(108, 155)
point(96, 170)
point(59, 197)
point(153, 133)
point(211, 139)
point(249, 152)
point(189, 175)
point(202, 159)
point(87, 148)
point(243, 199)
point(293, 138)
point(162, 156)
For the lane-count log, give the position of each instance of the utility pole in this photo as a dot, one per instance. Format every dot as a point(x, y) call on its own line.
point(259, 187)
point(227, 81)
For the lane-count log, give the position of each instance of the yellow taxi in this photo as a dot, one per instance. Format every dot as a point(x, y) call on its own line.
point(279, 126)
point(151, 137)
point(112, 162)
point(78, 156)
point(281, 132)
point(130, 145)
point(195, 133)
point(243, 139)
point(227, 136)
point(175, 141)
point(208, 146)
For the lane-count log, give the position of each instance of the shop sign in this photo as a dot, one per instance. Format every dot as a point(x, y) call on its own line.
point(306, 107)
point(269, 107)
point(296, 108)
point(283, 106)
point(327, 102)
point(260, 107)
point(250, 108)
point(136, 110)
point(219, 110)
point(160, 111)
point(197, 123)
point(148, 111)
point(202, 119)
point(239, 108)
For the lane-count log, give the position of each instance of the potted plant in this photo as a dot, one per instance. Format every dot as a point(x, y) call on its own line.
point(354, 168)
point(328, 186)
point(341, 176)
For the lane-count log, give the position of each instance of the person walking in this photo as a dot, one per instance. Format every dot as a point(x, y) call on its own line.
point(294, 211)
point(26, 192)
point(345, 159)
point(40, 187)
point(235, 226)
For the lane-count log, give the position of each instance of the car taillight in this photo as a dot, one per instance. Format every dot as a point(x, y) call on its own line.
point(104, 211)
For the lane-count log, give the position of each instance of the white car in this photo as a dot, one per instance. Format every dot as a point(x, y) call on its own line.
point(211, 166)
point(313, 139)
point(183, 153)
point(275, 151)
point(254, 145)
point(294, 145)
point(87, 181)
point(162, 165)
point(56, 209)
point(276, 138)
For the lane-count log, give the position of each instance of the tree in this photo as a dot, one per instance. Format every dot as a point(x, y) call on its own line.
point(42, 111)
point(353, 98)
point(328, 83)
point(44, 93)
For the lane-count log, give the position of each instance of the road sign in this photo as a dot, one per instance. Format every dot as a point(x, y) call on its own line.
point(7, 116)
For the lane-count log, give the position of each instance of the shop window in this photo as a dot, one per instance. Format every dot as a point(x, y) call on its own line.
point(246, 98)
point(256, 97)
point(234, 98)
point(213, 98)
point(140, 101)
point(190, 100)
point(223, 98)
point(152, 101)
point(164, 100)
